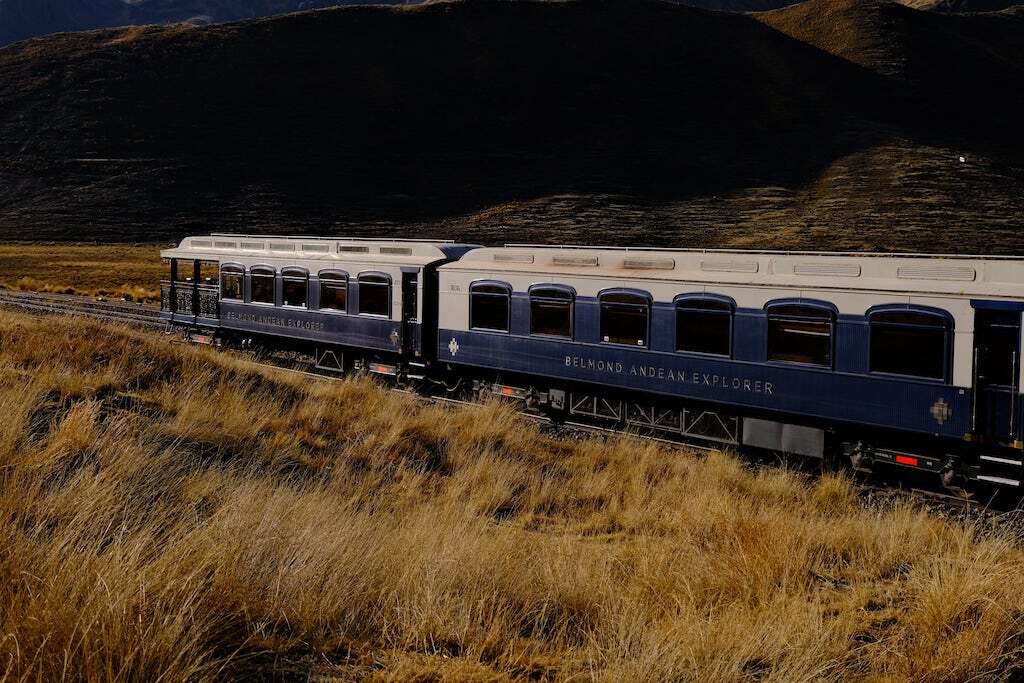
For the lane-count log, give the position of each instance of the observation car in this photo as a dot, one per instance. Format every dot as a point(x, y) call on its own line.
point(350, 302)
point(906, 360)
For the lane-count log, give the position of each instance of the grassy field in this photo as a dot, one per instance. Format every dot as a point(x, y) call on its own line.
point(172, 513)
point(112, 270)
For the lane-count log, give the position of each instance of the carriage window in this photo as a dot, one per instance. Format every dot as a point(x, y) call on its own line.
point(333, 291)
point(624, 318)
point(231, 278)
point(489, 306)
point(208, 272)
point(910, 343)
point(800, 334)
point(185, 270)
point(704, 326)
point(262, 287)
point(294, 287)
point(551, 312)
point(375, 295)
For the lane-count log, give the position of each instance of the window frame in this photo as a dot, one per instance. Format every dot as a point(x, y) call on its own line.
point(570, 296)
point(829, 313)
point(648, 306)
point(273, 277)
point(235, 269)
point(188, 279)
point(333, 275)
point(947, 325)
point(390, 285)
point(285, 277)
point(729, 309)
point(508, 298)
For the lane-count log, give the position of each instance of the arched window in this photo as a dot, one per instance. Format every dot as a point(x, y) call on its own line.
point(704, 324)
point(489, 305)
point(910, 342)
point(551, 308)
point(262, 285)
point(374, 294)
point(294, 287)
point(800, 333)
point(231, 279)
point(624, 317)
point(333, 290)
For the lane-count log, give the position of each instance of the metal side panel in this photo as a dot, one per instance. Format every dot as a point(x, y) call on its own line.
point(779, 436)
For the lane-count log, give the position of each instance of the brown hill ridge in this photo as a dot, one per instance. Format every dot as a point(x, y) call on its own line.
point(579, 121)
point(22, 19)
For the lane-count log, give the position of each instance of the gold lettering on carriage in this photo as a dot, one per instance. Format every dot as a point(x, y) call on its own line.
point(679, 375)
point(276, 321)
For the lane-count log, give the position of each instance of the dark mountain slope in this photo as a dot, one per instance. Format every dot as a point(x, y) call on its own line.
point(567, 121)
point(963, 5)
point(21, 19)
point(967, 70)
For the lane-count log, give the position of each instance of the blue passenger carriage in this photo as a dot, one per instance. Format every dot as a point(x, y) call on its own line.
point(903, 359)
point(351, 301)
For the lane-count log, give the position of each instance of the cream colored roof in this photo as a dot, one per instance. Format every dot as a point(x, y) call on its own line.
point(975, 276)
point(227, 247)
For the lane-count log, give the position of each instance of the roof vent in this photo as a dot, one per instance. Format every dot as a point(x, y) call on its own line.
point(639, 263)
point(936, 272)
point(317, 248)
point(513, 258)
point(396, 251)
point(578, 261)
point(353, 249)
point(281, 246)
point(252, 246)
point(729, 266)
point(201, 244)
point(820, 269)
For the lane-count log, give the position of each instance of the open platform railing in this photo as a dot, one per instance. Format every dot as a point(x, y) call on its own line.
point(190, 298)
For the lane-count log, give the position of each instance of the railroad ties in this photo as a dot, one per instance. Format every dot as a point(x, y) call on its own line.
point(90, 307)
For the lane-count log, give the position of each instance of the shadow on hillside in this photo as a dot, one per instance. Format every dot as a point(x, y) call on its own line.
point(419, 114)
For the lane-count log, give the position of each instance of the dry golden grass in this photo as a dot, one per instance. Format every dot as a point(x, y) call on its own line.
point(112, 270)
point(171, 513)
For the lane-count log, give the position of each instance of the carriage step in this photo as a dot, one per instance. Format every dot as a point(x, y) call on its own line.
point(1002, 461)
point(1002, 481)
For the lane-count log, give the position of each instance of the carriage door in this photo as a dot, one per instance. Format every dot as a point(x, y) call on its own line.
point(996, 372)
point(410, 315)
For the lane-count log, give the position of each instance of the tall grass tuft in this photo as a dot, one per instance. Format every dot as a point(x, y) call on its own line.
point(172, 513)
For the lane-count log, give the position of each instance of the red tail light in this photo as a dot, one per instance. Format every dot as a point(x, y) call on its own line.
point(906, 460)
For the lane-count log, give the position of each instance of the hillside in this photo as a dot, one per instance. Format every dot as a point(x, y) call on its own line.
point(21, 19)
point(821, 125)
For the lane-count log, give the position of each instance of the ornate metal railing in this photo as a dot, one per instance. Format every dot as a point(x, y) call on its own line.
point(209, 301)
point(186, 298)
point(166, 304)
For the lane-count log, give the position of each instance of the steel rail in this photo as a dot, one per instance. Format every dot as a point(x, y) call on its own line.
point(70, 304)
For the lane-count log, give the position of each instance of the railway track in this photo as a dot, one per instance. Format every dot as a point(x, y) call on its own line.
point(147, 316)
point(142, 315)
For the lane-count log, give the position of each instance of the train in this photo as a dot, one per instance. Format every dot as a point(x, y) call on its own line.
point(901, 360)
